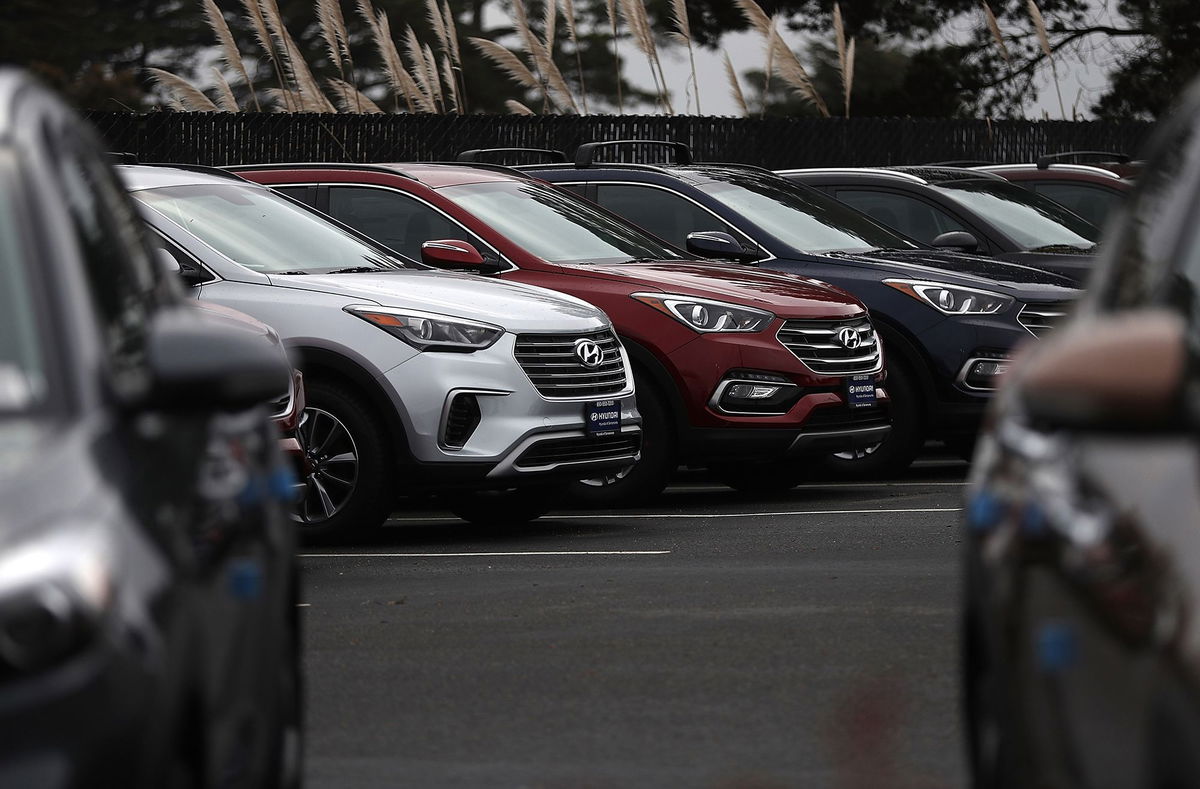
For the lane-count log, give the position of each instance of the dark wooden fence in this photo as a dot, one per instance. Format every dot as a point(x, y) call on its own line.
point(235, 138)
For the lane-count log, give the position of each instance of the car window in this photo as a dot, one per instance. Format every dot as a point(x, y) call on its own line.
point(262, 231)
point(800, 217)
point(117, 266)
point(1093, 203)
point(305, 194)
point(911, 216)
point(395, 220)
point(22, 367)
point(665, 214)
point(556, 226)
point(1032, 221)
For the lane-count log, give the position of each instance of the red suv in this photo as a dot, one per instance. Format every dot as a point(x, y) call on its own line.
point(746, 372)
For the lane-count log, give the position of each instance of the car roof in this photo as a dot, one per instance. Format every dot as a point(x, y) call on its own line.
point(432, 174)
point(154, 176)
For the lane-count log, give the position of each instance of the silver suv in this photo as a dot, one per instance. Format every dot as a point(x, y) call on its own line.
point(416, 379)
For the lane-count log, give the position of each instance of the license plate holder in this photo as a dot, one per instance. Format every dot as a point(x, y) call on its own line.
point(860, 391)
point(602, 418)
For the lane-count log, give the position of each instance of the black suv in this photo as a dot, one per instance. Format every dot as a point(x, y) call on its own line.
point(969, 210)
point(148, 633)
point(949, 320)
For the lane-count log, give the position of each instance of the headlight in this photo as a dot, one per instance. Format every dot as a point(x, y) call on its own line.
point(952, 299)
point(54, 591)
point(426, 331)
point(705, 315)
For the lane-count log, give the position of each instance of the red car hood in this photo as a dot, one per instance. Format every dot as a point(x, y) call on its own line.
point(786, 295)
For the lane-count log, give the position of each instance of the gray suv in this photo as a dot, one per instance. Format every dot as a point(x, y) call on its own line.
point(416, 379)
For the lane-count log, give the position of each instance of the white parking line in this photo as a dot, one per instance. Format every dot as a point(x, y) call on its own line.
point(699, 515)
point(482, 553)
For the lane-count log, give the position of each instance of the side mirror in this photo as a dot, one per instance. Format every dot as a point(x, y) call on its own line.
point(199, 363)
point(456, 256)
point(1118, 374)
point(956, 239)
point(720, 245)
point(168, 264)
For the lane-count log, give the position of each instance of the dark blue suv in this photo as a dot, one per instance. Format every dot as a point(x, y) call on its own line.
point(949, 320)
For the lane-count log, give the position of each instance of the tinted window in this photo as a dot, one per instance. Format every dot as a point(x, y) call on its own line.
point(1091, 202)
point(910, 215)
point(802, 218)
point(262, 231)
point(554, 225)
point(665, 214)
point(305, 194)
point(393, 219)
point(1032, 221)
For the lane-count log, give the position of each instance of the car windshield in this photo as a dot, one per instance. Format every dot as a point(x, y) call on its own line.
point(1031, 220)
point(265, 232)
point(556, 226)
point(802, 218)
point(22, 363)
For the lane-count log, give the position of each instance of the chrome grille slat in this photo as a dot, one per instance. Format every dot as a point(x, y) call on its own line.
point(1039, 319)
point(809, 342)
point(550, 363)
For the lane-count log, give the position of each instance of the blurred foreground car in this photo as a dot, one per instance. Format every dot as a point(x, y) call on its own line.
point(1081, 640)
point(753, 374)
point(148, 633)
point(498, 394)
point(969, 210)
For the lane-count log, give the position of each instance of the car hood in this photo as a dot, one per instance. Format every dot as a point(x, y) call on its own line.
point(510, 305)
point(972, 270)
point(786, 295)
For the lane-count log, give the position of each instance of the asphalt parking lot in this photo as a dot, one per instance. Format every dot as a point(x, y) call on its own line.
point(713, 640)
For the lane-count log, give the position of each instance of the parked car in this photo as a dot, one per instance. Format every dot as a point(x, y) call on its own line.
point(751, 373)
point(1081, 648)
point(948, 320)
point(965, 209)
point(1091, 192)
point(148, 630)
point(497, 394)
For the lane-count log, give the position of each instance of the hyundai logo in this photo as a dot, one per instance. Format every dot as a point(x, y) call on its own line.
point(589, 353)
point(849, 338)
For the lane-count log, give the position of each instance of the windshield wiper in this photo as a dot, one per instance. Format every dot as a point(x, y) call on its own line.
point(1066, 248)
point(354, 270)
point(289, 272)
point(642, 260)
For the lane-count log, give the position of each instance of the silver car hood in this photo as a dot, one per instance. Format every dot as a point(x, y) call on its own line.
point(512, 306)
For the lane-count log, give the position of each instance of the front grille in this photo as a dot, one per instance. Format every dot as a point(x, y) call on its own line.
point(1041, 318)
point(580, 449)
point(840, 417)
point(461, 420)
point(816, 344)
point(557, 372)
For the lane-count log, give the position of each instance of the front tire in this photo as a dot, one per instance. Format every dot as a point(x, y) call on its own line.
point(645, 479)
point(347, 489)
point(901, 446)
point(762, 478)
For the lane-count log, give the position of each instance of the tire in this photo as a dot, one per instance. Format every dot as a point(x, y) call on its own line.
point(961, 446)
point(761, 478)
point(349, 488)
point(512, 506)
point(646, 478)
point(896, 452)
point(285, 769)
point(990, 752)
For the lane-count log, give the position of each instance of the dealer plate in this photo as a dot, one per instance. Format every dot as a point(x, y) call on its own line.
point(602, 418)
point(860, 391)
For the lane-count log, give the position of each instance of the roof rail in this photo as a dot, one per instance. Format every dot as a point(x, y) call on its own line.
point(122, 157)
point(960, 163)
point(376, 168)
point(1044, 161)
point(131, 158)
point(472, 156)
point(585, 155)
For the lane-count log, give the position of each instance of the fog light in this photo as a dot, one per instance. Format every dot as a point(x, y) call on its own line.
point(750, 392)
point(986, 373)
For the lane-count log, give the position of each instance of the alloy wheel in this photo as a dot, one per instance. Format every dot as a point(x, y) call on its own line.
point(331, 460)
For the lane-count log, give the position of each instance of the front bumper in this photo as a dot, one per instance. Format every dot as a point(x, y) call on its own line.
point(515, 423)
